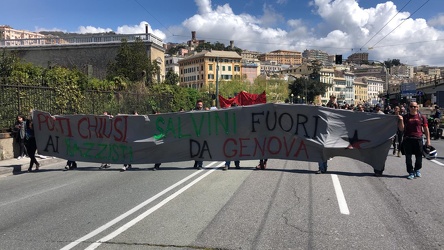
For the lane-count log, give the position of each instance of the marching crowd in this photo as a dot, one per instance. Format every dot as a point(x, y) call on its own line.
point(409, 139)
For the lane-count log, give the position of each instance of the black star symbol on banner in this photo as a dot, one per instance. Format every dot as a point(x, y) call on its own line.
point(354, 141)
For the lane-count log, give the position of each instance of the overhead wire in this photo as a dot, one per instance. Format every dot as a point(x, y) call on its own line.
point(143, 7)
point(385, 25)
point(319, 47)
point(400, 23)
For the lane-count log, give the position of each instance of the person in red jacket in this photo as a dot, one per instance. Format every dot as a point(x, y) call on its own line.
point(414, 125)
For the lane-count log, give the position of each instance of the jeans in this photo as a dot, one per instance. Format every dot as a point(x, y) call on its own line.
point(322, 166)
point(413, 146)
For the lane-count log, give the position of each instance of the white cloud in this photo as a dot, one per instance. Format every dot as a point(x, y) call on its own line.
point(140, 28)
point(437, 21)
point(91, 29)
point(345, 28)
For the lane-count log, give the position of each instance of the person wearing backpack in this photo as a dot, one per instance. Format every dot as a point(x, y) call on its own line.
point(414, 125)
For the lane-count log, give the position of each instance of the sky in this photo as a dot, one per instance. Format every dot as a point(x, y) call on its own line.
point(409, 30)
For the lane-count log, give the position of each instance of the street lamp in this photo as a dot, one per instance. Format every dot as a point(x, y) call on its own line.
point(292, 98)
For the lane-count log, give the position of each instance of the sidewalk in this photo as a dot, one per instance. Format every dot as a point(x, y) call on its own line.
point(14, 166)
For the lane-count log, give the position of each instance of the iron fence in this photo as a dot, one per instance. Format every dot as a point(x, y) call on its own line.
point(20, 100)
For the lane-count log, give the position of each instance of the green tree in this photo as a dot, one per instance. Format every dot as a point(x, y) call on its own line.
point(7, 63)
point(309, 88)
point(132, 63)
point(171, 77)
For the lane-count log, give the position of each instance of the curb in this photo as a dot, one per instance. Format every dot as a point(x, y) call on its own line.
point(20, 168)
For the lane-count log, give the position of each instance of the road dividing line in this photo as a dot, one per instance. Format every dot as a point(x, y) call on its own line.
point(437, 162)
point(149, 211)
point(135, 209)
point(340, 195)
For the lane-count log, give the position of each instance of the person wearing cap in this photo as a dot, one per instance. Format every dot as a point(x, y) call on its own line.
point(332, 102)
point(413, 124)
point(378, 109)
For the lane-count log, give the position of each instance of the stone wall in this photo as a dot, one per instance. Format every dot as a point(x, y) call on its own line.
point(80, 56)
point(7, 146)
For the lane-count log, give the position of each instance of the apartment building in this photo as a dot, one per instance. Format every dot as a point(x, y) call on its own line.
point(327, 76)
point(201, 69)
point(282, 57)
point(250, 55)
point(271, 68)
point(361, 91)
point(358, 58)
point(10, 34)
point(315, 55)
point(375, 87)
point(172, 63)
point(251, 69)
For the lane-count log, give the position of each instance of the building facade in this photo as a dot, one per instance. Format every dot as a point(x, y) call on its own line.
point(172, 63)
point(202, 69)
point(375, 88)
point(19, 37)
point(282, 57)
point(358, 58)
point(250, 70)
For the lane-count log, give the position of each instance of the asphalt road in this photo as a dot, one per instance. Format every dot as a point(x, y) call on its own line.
point(286, 206)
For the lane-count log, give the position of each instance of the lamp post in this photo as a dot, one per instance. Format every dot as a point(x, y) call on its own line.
point(292, 102)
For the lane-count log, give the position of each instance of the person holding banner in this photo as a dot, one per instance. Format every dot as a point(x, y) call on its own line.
point(199, 107)
point(31, 145)
point(106, 165)
point(414, 125)
point(236, 163)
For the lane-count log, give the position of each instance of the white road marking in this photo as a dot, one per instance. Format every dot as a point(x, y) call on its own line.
point(149, 211)
point(437, 162)
point(340, 195)
point(133, 210)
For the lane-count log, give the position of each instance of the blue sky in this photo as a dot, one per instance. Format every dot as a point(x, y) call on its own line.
point(415, 35)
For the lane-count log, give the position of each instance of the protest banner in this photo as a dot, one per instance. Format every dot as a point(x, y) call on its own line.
point(281, 131)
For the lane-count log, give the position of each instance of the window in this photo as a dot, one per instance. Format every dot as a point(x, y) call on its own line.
point(223, 68)
point(210, 66)
point(229, 68)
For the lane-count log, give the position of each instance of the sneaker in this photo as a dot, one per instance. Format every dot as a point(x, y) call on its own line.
point(418, 174)
point(319, 172)
point(399, 153)
point(394, 151)
point(411, 176)
point(18, 158)
point(225, 167)
point(199, 167)
point(123, 169)
point(67, 167)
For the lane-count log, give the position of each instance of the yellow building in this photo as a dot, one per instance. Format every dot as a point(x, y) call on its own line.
point(361, 91)
point(200, 70)
point(282, 57)
point(16, 37)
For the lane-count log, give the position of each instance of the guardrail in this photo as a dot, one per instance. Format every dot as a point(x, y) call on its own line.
point(84, 39)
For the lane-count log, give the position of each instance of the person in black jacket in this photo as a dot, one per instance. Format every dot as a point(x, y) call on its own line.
point(19, 130)
point(31, 145)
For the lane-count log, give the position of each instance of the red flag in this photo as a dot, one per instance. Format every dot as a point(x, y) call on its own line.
point(243, 99)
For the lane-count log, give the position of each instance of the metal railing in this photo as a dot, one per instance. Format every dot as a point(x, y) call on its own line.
point(84, 39)
point(20, 100)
